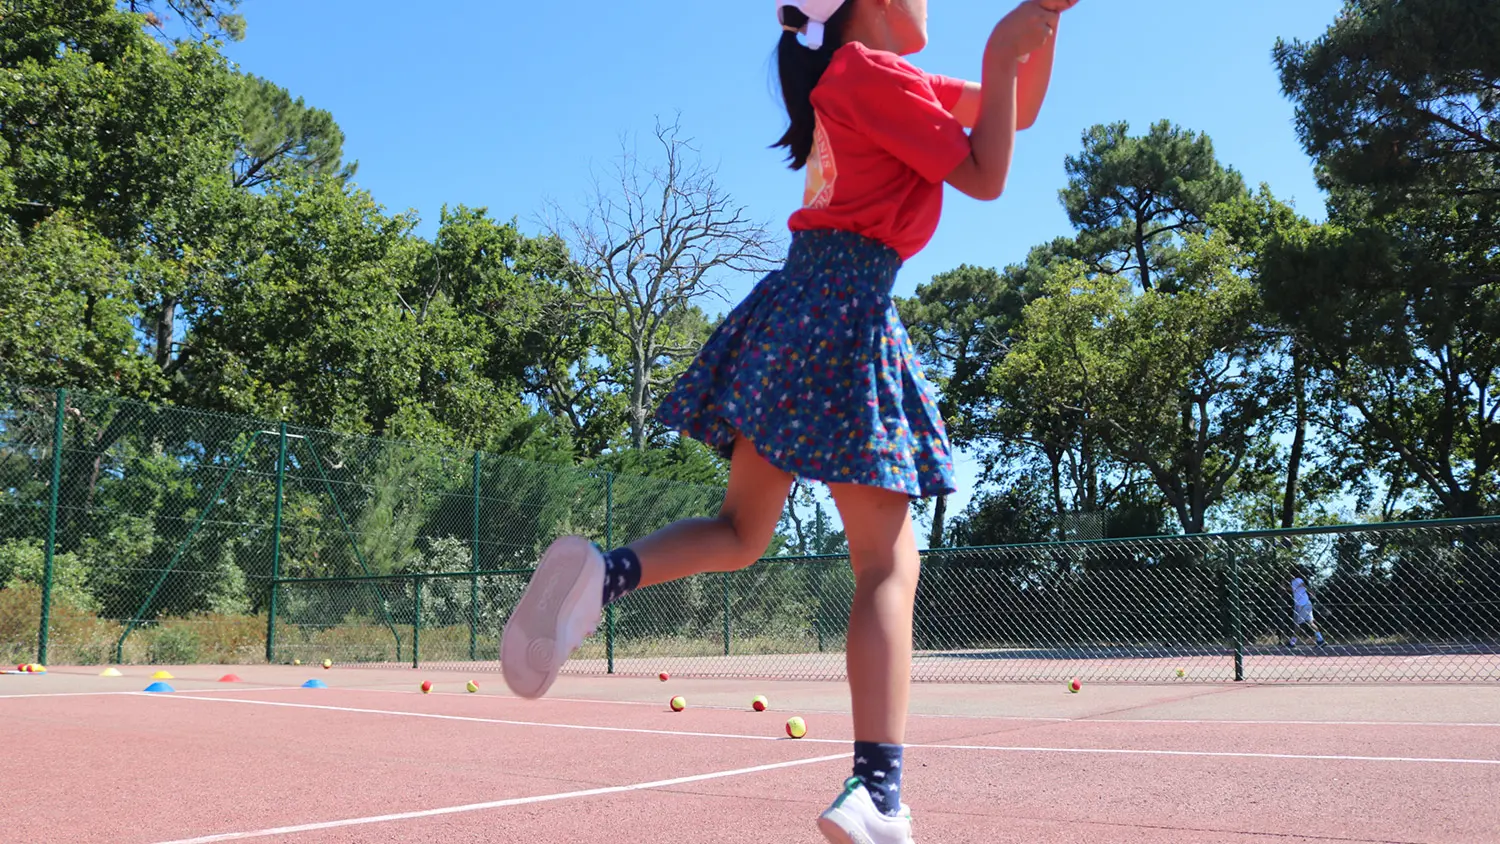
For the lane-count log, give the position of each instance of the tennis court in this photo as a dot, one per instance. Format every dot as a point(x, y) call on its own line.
point(370, 758)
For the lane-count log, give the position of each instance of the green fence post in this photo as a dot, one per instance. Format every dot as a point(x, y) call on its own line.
point(276, 543)
point(609, 543)
point(724, 579)
point(57, 444)
point(1235, 631)
point(474, 567)
point(416, 621)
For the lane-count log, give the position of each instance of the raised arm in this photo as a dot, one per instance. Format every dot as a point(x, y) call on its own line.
point(992, 137)
point(1033, 76)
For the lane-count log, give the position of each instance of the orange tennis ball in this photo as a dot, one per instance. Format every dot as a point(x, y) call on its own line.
point(679, 703)
point(796, 727)
point(1074, 685)
point(662, 676)
point(426, 686)
point(760, 703)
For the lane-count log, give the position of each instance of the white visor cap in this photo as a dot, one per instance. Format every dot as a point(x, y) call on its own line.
point(818, 12)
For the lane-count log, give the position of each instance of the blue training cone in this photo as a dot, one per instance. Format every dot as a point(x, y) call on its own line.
point(160, 687)
point(315, 684)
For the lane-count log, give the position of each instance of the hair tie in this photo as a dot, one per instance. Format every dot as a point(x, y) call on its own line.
point(785, 28)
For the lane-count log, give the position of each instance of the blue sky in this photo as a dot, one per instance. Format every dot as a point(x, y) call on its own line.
point(507, 105)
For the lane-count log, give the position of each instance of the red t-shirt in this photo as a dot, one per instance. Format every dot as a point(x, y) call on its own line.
point(885, 140)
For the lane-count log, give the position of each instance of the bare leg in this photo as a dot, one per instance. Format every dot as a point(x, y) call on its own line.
point(883, 552)
point(562, 600)
point(734, 539)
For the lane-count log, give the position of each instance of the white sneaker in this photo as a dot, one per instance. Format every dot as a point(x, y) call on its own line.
point(853, 819)
point(561, 606)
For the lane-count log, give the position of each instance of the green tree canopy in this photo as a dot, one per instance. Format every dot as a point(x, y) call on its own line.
point(1396, 299)
point(1132, 197)
point(280, 136)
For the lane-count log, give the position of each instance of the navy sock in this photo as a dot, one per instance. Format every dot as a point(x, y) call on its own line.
point(878, 766)
point(622, 573)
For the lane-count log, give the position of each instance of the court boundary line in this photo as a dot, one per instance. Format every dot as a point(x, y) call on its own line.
point(1048, 719)
point(43, 695)
point(1083, 719)
point(1103, 751)
point(500, 804)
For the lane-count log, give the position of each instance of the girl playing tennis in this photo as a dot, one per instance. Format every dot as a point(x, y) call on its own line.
point(813, 375)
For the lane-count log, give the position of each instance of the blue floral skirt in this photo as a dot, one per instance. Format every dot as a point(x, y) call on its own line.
point(816, 370)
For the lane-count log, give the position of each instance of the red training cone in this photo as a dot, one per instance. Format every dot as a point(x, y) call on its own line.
point(230, 678)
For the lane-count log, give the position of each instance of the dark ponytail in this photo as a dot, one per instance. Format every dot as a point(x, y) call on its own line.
point(800, 69)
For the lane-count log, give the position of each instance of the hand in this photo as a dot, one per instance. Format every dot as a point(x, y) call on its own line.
point(1028, 27)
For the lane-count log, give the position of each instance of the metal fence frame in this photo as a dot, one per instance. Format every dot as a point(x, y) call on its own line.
point(1216, 636)
point(1439, 599)
point(483, 488)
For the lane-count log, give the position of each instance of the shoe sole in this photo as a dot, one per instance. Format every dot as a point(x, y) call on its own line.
point(838, 835)
point(528, 644)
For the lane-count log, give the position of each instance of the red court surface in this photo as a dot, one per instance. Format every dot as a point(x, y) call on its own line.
point(371, 759)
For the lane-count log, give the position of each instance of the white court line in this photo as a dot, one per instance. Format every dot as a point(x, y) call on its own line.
point(179, 691)
point(1083, 719)
point(1273, 723)
point(1104, 751)
point(65, 694)
point(501, 721)
point(500, 804)
point(1008, 718)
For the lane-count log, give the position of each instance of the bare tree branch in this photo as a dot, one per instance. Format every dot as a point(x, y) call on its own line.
point(654, 241)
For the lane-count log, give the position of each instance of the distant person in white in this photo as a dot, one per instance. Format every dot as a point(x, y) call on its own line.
point(1302, 611)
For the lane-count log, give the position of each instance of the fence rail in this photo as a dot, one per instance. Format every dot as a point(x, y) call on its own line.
point(1394, 602)
point(136, 533)
point(131, 533)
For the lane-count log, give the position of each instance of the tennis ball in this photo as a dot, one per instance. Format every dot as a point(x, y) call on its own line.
point(296, 662)
point(796, 727)
point(1074, 685)
point(473, 686)
point(760, 703)
point(679, 703)
point(426, 686)
point(1180, 672)
point(327, 663)
point(662, 676)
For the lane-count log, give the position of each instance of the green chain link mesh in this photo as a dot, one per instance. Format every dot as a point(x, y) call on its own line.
point(27, 417)
point(1409, 602)
point(172, 527)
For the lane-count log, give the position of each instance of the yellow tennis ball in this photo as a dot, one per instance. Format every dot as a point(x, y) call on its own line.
point(327, 663)
point(796, 727)
point(759, 703)
point(1180, 672)
point(679, 703)
point(296, 662)
point(473, 686)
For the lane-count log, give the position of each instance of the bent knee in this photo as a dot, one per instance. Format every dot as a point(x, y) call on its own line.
point(751, 544)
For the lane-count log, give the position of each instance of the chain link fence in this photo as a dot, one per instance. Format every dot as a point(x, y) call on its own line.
point(133, 533)
point(140, 534)
point(1395, 602)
